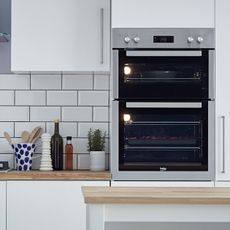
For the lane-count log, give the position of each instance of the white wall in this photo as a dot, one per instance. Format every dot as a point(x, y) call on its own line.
point(80, 101)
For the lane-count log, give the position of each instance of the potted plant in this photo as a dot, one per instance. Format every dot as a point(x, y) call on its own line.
point(96, 147)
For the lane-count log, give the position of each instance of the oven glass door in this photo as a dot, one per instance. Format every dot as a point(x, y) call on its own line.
point(163, 74)
point(154, 138)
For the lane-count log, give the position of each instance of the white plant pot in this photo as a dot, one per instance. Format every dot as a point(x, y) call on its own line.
point(97, 160)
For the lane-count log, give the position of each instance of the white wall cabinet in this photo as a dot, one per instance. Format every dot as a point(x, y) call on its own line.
point(60, 35)
point(222, 91)
point(47, 205)
point(162, 13)
point(2, 205)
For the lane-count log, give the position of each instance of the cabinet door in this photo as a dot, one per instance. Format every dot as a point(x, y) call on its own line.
point(222, 90)
point(162, 13)
point(47, 205)
point(2, 205)
point(60, 35)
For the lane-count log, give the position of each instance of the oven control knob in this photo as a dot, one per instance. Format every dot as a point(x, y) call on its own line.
point(190, 39)
point(136, 39)
point(200, 39)
point(127, 39)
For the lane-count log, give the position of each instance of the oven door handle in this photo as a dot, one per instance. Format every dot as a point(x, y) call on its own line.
point(183, 105)
point(164, 53)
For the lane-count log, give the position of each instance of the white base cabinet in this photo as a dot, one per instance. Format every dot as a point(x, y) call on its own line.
point(47, 205)
point(60, 35)
point(222, 91)
point(163, 13)
point(2, 205)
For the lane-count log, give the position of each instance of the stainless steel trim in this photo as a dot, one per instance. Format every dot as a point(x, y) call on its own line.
point(102, 35)
point(211, 74)
point(115, 138)
point(223, 144)
point(164, 53)
point(211, 139)
point(115, 76)
point(163, 105)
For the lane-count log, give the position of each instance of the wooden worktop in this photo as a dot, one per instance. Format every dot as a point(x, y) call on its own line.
point(151, 195)
point(55, 175)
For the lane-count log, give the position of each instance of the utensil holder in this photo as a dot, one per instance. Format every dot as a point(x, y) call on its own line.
point(23, 154)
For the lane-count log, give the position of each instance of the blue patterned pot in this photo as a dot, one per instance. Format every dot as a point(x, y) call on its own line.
point(23, 154)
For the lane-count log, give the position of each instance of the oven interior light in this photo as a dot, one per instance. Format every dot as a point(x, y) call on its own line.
point(127, 70)
point(127, 117)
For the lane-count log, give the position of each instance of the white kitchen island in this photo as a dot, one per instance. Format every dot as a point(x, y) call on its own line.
point(126, 208)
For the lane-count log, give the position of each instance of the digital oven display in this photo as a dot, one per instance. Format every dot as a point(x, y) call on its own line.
point(163, 39)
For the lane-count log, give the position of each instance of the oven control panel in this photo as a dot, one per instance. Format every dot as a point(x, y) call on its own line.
point(181, 38)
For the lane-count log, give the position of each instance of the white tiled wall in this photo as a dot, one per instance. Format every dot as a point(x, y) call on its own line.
point(80, 101)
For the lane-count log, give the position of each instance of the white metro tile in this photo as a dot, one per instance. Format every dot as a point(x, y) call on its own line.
point(77, 114)
point(6, 97)
point(28, 126)
point(62, 98)
point(83, 161)
point(77, 81)
point(5, 147)
point(101, 114)
point(14, 81)
point(44, 113)
point(94, 98)
point(8, 127)
point(80, 145)
point(65, 128)
point(52, 81)
point(83, 128)
point(30, 97)
point(101, 82)
point(14, 113)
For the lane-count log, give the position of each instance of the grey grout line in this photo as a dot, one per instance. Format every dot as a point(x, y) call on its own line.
point(61, 80)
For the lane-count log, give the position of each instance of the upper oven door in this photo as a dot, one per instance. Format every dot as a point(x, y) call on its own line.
point(163, 74)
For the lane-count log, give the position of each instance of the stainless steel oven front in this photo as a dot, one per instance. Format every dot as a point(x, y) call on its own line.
point(163, 104)
point(162, 140)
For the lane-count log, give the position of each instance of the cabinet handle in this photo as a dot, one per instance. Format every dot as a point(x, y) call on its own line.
point(102, 35)
point(223, 144)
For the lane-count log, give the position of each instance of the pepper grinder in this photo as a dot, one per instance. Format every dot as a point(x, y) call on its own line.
point(46, 162)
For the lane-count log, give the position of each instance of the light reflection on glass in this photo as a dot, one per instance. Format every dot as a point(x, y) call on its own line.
point(127, 70)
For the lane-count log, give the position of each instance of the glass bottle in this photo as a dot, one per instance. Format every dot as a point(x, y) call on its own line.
point(69, 154)
point(57, 148)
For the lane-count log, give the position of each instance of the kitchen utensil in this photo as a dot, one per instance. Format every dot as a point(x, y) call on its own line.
point(37, 135)
point(33, 133)
point(8, 137)
point(25, 136)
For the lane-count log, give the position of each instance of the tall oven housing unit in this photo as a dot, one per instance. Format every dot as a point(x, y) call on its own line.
point(163, 104)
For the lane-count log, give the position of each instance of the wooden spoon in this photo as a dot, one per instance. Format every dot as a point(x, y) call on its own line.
point(37, 135)
point(33, 133)
point(25, 136)
point(8, 137)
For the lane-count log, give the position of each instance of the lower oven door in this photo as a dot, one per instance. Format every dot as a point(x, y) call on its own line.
point(163, 140)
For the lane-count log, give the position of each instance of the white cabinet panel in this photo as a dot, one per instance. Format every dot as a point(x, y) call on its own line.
point(47, 205)
point(2, 205)
point(60, 35)
point(222, 91)
point(162, 13)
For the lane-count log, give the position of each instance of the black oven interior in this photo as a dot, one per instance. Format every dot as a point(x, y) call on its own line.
point(154, 139)
point(166, 77)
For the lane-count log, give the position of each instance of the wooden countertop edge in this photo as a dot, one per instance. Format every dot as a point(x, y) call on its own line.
point(55, 175)
point(157, 195)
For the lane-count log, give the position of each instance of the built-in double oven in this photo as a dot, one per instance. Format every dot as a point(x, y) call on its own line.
point(163, 104)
